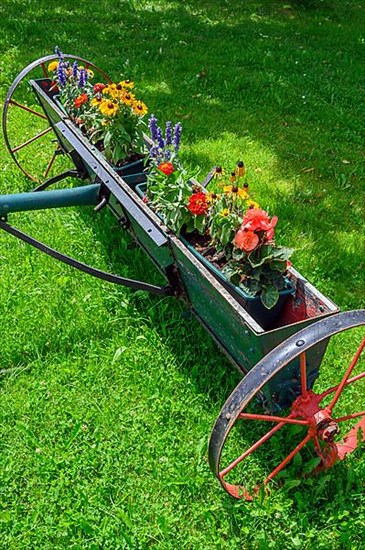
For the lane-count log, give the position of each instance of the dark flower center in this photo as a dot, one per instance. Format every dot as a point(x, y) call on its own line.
point(110, 105)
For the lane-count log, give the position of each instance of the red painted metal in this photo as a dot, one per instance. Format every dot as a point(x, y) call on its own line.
point(270, 418)
point(250, 450)
point(49, 166)
point(24, 76)
point(40, 115)
point(306, 410)
point(288, 458)
point(347, 375)
point(46, 131)
point(44, 69)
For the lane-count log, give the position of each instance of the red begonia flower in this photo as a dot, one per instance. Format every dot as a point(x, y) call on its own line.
point(246, 240)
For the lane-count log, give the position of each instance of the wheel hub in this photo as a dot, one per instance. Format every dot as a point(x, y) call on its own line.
point(322, 424)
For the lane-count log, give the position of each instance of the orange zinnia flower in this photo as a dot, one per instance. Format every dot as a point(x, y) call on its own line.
point(166, 168)
point(80, 100)
point(198, 204)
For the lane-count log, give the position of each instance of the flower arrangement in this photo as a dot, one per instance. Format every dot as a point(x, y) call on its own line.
point(110, 114)
point(227, 226)
point(169, 184)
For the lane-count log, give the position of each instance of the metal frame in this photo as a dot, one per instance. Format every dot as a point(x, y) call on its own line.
point(265, 370)
point(8, 101)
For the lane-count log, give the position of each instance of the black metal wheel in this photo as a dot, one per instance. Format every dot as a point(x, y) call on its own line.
point(27, 133)
point(325, 421)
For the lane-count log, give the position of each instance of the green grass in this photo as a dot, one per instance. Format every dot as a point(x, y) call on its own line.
point(104, 422)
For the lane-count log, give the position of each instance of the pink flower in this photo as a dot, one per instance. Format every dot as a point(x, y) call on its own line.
point(246, 240)
point(258, 220)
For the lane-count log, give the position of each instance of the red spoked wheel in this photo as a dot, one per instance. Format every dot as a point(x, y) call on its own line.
point(251, 449)
point(27, 133)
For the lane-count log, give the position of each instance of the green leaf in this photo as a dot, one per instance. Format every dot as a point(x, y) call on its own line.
point(291, 484)
point(269, 297)
point(311, 465)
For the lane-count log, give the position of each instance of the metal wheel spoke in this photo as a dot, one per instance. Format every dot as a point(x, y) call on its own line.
point(250, 450)
point(347, 375)
point(25, 108)
point(317, 445)
point(46, 131)
point(288, 458)
point(349, 416)
point(49, 166)
point(287, 420)
point(349, 381)
point(37, 70)
point(45, 70)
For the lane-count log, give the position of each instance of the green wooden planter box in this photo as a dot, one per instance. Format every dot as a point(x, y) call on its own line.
point(252, 304)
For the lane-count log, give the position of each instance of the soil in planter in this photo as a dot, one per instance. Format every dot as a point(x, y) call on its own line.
point(201, 243)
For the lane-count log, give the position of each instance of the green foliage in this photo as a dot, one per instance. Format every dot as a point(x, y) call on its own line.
point(169, 195)
point(225, 218)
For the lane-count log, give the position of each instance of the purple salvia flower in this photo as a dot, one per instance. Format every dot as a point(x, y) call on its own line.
point(74, 69)
point(152, 124)
point(61, 74)
point(59, 53)
point(168, 133)
point(177, 136)
point(160, 139)
point(154, 151)
point(167, 155)
point(82, 79)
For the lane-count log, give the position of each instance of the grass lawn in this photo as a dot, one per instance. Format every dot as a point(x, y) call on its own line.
point(104, 421)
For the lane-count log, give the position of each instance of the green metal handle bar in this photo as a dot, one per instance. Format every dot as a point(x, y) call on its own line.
point(78, 196)
point(87, 195)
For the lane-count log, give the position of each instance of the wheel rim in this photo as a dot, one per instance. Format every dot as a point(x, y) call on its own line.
point(249, 450)
point(36, 152)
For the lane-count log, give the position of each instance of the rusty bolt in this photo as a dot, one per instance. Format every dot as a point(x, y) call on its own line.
point(329, 432)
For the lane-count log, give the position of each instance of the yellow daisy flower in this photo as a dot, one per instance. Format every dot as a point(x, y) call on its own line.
point(252, 204)
point(108, 108)
point(53, 66)
point(111, 90)
point(225, 212)
point(90, 73)
point(210, 198)
point(95, 102)
point(127, 97)
point(127, 84)
point(218, 172)
point(140, 108)
point(235, 190)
